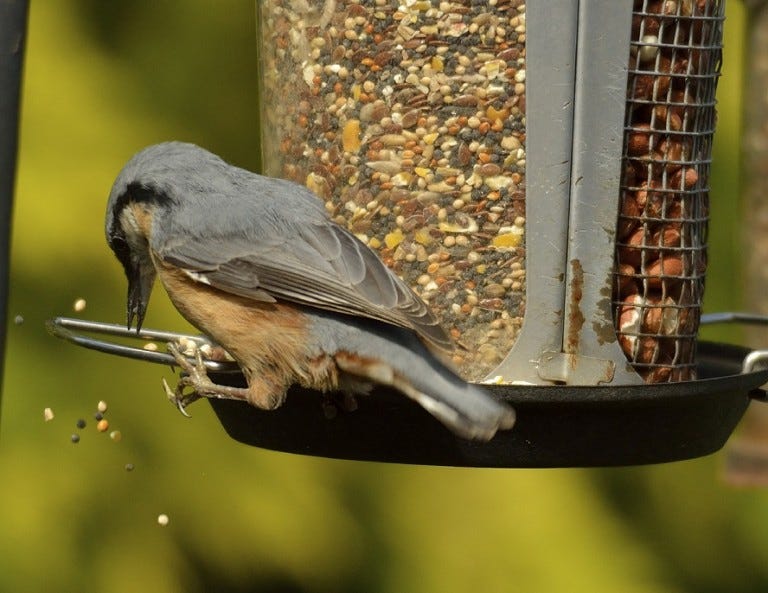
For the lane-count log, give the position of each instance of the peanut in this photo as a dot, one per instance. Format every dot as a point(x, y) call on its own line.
point(625, 281)
point(663, 270)
point(639, 142)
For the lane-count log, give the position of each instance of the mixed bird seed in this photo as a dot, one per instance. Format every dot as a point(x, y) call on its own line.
point(408, 119)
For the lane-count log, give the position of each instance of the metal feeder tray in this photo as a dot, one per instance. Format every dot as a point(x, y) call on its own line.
point(557, 426)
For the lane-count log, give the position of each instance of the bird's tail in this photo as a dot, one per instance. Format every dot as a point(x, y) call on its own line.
point(402, 362)
point(469, 410)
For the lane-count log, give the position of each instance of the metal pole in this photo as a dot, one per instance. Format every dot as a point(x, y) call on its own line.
point(746, 460)
point(13, 27)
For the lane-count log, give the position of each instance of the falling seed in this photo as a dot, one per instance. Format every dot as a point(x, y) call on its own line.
point(98, 416)
point(129, 467)
point(101, 406)
point(18, 320)
point(150, 346)
point(102, 425)
point(79, 305)
point(81, 423)
point(162, 519)
point(75, 438)
point(116, 436)
point(48, 414)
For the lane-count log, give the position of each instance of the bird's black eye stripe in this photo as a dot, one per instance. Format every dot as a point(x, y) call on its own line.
point(115, 236)
point(137, 192)
point(121, 248)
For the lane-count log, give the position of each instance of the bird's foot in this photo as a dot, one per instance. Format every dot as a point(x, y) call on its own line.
point(178, 398)
point(195, 376)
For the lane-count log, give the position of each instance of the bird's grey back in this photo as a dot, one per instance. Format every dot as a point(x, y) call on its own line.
point(255, 233)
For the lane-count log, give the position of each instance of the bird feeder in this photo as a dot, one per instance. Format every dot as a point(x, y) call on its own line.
point(539, 174)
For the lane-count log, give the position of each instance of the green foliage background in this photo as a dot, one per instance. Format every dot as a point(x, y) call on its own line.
point(104, 79)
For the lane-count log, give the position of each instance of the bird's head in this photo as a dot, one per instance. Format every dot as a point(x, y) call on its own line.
point(165, 193)
point(143, 186)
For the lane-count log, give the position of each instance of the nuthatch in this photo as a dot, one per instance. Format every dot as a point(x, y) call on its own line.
point(257, 265)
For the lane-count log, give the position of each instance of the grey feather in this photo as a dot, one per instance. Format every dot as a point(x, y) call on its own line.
point(262, 238)
point(468, 409)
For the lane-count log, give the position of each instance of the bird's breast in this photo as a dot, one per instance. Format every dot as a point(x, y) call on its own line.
point(253, 332)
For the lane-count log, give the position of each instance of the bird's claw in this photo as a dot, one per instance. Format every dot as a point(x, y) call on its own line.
point(177, 398)
point(196, 377)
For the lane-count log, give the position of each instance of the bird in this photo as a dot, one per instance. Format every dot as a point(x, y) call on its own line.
point(258, 266)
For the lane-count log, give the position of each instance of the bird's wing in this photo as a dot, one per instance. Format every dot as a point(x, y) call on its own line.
point(318, 264)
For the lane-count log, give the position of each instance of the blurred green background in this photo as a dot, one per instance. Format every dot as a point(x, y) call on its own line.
point(104, 79)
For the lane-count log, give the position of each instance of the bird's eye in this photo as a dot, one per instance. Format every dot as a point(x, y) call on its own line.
point(121, 248)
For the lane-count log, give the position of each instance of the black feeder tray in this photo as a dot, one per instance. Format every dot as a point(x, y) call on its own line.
point(557, 426)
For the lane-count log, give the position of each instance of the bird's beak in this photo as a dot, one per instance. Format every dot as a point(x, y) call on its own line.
point(140, 281)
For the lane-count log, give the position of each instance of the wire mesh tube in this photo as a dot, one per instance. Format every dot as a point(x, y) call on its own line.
point(674, 65)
